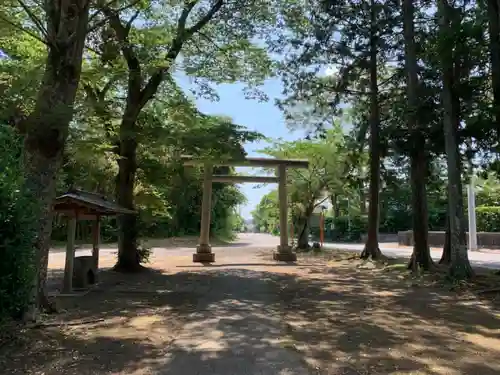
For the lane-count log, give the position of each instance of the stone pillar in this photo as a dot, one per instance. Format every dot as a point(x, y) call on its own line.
point(204, 250)
point(284, 252)
point(70, 255)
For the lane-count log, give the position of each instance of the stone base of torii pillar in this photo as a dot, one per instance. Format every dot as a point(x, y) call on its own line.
point(285, 254)
point(204, 254)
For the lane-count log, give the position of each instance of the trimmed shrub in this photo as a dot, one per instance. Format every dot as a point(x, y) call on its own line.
point(344, 228)
point(17, 229)
point(488, 219)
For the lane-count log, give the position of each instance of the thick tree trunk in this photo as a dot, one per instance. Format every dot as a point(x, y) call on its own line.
point(335, 205)
point(128, 258)
point(460, 267)
point(455, 118)
point(303, 238)
point(421, 257)
point(494, 33)
point(371, 247)
point(46, 128)
point(446, 255)
point(41, 172)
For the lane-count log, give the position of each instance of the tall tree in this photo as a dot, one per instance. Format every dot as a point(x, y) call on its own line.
point(309, 188)
point(421, 253)
point(63, 30)
point(493, 7)
point(199, 25)
point(372, 247)
point(460, 267)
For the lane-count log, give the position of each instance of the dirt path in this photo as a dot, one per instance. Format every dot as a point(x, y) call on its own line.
point(249, 315)
point(237, 329)
point(178, 318)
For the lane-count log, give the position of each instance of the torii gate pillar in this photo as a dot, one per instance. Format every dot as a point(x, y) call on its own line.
point(284, 253)
point(204, 250)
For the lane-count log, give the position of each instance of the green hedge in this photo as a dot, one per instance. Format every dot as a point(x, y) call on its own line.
point(346, 229)
point(395, 221)
point(343, 228)
point(488, 219)
point(18, 219)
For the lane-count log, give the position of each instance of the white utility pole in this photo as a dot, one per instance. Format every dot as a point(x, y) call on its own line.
point(471, 207)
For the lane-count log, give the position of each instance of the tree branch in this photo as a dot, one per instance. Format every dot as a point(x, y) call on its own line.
point(91, 94)
point(103, 21)
point(101, 6)
point(92, 49)
point(96, 98)
point(128, 26)
point(181, 36)
point(107, 87)
point(181, 23)
point(135, 75)
point(219, 48)
point(319, 203)
point(205, 19)
point(20, 28)
point(35, 20)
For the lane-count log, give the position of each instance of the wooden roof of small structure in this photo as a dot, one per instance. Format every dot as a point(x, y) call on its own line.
point(85, 204)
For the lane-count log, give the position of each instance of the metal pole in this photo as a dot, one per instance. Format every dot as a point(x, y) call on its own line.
point(471, 207)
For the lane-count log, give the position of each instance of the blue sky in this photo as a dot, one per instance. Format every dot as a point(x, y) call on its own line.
point(265, 118)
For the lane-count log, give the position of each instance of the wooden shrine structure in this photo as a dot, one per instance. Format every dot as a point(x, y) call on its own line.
point(204, 250)
point(83, 205)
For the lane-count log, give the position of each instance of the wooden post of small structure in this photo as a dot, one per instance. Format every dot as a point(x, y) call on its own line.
point(96, 234)
point(70, 254)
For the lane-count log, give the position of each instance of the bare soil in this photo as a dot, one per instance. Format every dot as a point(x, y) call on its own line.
point(338, 314)
point(348, 316)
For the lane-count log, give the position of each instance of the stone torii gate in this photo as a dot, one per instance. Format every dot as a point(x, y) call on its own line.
point(204, 250)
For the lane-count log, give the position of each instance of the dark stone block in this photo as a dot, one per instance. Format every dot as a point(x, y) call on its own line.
point(84, 272)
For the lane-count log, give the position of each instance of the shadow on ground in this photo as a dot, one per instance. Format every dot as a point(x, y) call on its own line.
point(166, 243)
point(351, 320)
point(330, 319)
point(219, 265)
